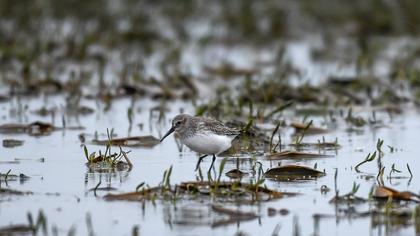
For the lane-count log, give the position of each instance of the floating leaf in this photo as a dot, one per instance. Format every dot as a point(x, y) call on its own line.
point(12, 128)
point(10, 143)
point(6, 191)
point(146, 194)
point(36, 128)
point(40, 128)
point(289, 172)
point(235, 173)
point(227, 70)
point(382, 192)
point(308, 129)
point(138, 141)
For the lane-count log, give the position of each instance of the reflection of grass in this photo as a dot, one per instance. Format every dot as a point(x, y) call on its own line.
point(41, 225)
point(34, 226)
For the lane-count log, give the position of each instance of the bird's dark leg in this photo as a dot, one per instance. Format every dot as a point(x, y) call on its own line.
point(199, 161)
point(212, 162)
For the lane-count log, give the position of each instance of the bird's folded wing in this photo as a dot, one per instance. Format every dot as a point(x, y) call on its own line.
point(217, 127)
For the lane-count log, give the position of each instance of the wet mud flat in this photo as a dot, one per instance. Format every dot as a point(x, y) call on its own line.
point(329, 118)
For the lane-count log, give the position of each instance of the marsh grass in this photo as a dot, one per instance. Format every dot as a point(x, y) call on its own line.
point(166, 180)
point(273, 149)
point(119, 161)
point(368, 158)
point(301, 135)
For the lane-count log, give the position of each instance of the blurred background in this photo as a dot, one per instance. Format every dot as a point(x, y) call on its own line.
point(134, 46)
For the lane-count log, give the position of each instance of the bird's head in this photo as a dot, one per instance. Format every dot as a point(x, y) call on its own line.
point(178, 125)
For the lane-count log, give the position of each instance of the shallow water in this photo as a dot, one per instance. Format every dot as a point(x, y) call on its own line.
point(64, 172)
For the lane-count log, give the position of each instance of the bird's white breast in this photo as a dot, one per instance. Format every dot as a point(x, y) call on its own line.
point(208, 143)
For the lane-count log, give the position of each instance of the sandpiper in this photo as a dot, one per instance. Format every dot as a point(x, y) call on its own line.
point(203, 135)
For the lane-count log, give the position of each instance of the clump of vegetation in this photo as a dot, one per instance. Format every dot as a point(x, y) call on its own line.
point(217, 190)
point(108, 160)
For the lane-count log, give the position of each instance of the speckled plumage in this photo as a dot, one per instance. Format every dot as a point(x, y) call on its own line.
point(196, 124)
point(203, 135)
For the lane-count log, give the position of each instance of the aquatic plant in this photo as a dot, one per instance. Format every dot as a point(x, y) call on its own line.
point(368, 158)
point(112, 160)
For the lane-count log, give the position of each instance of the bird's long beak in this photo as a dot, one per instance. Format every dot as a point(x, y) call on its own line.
point(168, 133)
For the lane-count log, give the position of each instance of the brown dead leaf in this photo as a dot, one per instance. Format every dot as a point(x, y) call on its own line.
point(12, 128)
point(288, 172)
point(235, 173)
point(138, 141)
point(35, 128)
point(10, 143)
point(308, 130)
point(383, 192)
point(133, 196)
point(6, 191)
point(227, 69)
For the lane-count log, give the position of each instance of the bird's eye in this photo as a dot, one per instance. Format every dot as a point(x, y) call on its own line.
point(178, 123)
